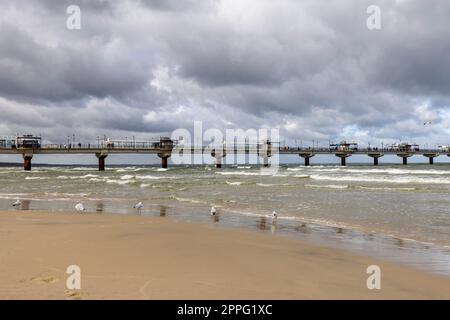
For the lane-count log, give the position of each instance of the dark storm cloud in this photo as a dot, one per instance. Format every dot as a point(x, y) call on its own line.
point(311, 68)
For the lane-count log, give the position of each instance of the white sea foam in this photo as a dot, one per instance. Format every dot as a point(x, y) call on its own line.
point(295, 169)
point(127, 177)
point(120, 182)
point(238, 173)
point(267, 184)
point(150, 177)
point(365, 178)
point(388, 171)
point(386, 188)
point(303, 176)
point(189, 200)
point(327, 186)
point(233, 183)
point(37, 178)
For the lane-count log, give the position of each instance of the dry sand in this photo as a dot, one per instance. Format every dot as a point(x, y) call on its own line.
point(132, 257)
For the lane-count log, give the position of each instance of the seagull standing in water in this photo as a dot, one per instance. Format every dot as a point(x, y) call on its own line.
point(138, 206)
point(274, 215)
point(80, 207)
point(213, 211)
point(17, 203)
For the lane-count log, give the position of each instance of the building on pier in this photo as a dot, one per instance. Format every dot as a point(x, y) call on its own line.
point(7, 142)
point(404, 147)
point(344, 146)
point(28, 141)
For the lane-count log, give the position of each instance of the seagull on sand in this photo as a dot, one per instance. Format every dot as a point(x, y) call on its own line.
point(80, 207)
point(17, 203)
point(138, 206)
point(213, 211)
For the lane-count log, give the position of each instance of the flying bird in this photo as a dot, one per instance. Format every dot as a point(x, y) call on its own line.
point(139, 206)
point(17, 203)
point(213, 211)
point(427, 123)
point(80, 207)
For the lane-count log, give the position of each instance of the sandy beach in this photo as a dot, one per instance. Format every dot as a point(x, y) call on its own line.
point(133, 257)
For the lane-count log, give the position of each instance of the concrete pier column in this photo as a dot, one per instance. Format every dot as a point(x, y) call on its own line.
point(375, 157)
point(306, 156)
point(266, 161)
point(404, 157)
point(431, 157)
point(164, 162)
point(27, 161)
point(101, 156)
point(164, 159)
point(101, 163)
point(343, 157)
point(218, 155)
point(218, 162)
point(375, 161)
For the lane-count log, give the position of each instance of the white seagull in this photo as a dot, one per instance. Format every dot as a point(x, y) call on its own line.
point(274, 215)
point(138, 206)
point(17, 203)
point(213, 211)
point(80, 207)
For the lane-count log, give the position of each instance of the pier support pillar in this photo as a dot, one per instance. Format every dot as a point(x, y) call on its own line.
point(375, 157)
point(219, 163)
point(343, 157)
point(27, 161)
point(306, 156)
point(164, 159)
point(431, 158)
point(218, 155)
point(101, 156)
point(164, 162)
point(266, 162)
point(404, 157)
point(101, 163)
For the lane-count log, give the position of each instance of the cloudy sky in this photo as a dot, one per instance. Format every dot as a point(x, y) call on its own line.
point(144, 68)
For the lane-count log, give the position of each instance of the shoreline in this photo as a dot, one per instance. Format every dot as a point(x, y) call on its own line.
point(135, 257)
point(392, 248)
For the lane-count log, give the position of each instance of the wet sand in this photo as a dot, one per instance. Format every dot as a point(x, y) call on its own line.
point(133, 257)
